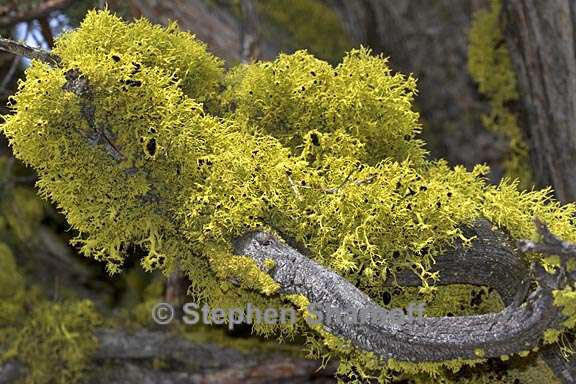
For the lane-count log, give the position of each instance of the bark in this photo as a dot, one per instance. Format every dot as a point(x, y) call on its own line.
point(541, 36)
point(215, 26)
point(424, 38)
point(250, 41)
point(516, 328)
point(20, 49)
point(490, 262)
point(233, 38)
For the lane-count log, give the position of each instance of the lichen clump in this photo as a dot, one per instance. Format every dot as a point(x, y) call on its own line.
point(53, 340)
point(491, 67)
point(186, 157)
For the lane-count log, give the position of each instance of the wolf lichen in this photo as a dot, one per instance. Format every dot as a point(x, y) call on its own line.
point(11, 289)
point(298, 93)
point(54, 340)
point(22, 211)
point(490, 65)
point(327, 156)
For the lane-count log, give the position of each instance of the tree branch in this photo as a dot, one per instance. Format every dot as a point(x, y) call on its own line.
point(491, 261)
point(12, 14)
point(517, 328)
point(127, 357)
point(22, 49)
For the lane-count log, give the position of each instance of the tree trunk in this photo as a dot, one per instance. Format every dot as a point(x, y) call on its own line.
point(541, 37)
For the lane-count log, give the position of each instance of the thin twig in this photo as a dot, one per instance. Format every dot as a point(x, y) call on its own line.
point(21, 49)
point(550, 244)
point(343, 183)
point(295, 188)
point(46, 31)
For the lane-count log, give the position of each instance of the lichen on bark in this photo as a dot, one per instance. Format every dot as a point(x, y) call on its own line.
point(138, 144)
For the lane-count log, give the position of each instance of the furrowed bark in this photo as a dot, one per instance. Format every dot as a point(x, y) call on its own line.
point(491, 262)
point(541, 37)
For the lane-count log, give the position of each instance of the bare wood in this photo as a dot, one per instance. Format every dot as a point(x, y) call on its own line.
point(515, 329)
point(518, 327)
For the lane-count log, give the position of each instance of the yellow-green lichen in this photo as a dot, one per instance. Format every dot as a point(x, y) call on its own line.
point(11, 289)
point(491, 67)
point(54, 341)
point(297, 94)
point(328, 156)
point(22, 209)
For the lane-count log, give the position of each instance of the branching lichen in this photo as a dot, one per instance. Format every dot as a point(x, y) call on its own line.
point(326, 156)
point(53, 340)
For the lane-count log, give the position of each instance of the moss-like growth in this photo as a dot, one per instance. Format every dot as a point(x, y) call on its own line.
point(22, 211)
point(326, 155)
point(491, 67)
point(53, 340)
point(299, 96)
point(11, 289)
point(177, 54)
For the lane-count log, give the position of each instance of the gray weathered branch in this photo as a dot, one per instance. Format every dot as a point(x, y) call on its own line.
point(491, 261)
point(127, 357)
point(515, 329)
